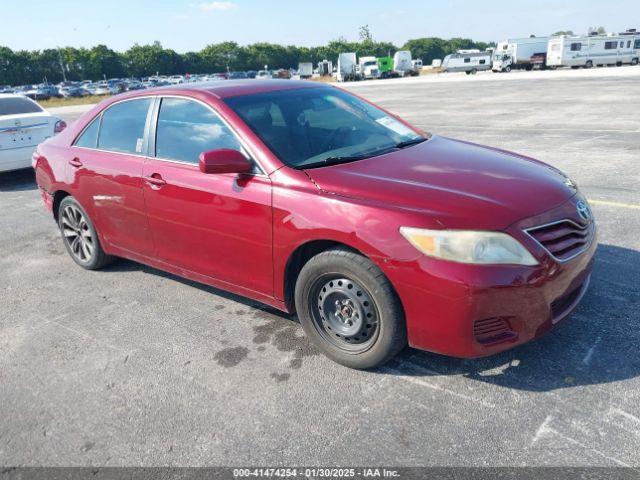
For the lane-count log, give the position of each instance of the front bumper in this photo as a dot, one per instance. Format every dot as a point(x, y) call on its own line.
point(450, 307)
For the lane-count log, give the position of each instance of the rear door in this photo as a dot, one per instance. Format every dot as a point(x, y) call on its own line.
point(105, 164)
point(218, 225)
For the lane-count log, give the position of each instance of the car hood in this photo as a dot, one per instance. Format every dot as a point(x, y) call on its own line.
point(457, 184)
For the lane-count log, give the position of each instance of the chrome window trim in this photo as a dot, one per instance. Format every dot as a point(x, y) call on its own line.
point(592, 223)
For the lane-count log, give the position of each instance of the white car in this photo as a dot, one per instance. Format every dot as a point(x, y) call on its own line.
point(23, 125)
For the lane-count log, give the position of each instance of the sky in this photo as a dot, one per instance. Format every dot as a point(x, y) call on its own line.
point(191, 25)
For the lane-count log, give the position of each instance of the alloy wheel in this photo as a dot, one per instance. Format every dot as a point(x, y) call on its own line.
point(77, 234)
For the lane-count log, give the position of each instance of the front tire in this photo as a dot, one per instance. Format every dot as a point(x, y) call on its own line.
point(349, 309)
point(589, 64)
point(79, 236)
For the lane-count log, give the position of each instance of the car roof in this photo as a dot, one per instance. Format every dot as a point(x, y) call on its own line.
point(235, 88)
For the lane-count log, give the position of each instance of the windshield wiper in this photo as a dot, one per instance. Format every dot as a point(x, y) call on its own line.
point(408, 143)
point(333, 161)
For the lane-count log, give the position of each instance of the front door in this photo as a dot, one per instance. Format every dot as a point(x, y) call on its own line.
point(218, 225)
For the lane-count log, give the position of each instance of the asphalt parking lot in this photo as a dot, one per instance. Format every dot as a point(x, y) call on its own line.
point(132, 366)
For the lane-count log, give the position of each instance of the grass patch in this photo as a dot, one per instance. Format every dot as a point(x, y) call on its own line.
point(67, 102)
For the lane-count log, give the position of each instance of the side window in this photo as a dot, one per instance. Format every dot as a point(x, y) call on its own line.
point(187, 128)
point(122, 127)
point(575, 47)
point(89, 138)
point(628, 43)
point(610, 45)
point(636, 43)
point(467, 60)
point(482, 62)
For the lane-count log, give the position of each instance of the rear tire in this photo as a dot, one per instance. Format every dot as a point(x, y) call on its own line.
point(507, 69)
point(589, 64)
point(79, 236)
point(349, 309)
point(634, 61)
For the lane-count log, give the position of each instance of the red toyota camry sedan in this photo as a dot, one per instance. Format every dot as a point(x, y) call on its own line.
point(313, 200)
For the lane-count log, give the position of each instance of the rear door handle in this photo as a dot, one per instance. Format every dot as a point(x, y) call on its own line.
point(75, 162)
point(155, 180)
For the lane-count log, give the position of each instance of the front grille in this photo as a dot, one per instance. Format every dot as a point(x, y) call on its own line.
point(492, 330)
point(564, 239)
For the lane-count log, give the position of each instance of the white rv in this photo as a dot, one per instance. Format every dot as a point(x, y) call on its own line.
point(368, 68)
point(402, 63)
point(517, 52)
point(469, 63)
point(593, 50)
point(346, 70)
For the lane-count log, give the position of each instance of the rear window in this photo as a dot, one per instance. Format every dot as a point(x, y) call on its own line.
point(18, 105)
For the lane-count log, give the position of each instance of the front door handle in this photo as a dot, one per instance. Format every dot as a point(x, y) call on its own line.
point(155, 180)
point(75, 162)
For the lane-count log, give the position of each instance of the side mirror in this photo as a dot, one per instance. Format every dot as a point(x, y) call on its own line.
point(224, 161)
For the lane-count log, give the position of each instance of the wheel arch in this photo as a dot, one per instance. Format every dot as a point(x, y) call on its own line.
point(58, 196)
point(303, 253)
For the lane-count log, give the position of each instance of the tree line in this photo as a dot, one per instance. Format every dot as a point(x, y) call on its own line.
point(27, 67)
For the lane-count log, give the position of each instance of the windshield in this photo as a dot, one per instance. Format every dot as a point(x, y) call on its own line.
point(314, 126)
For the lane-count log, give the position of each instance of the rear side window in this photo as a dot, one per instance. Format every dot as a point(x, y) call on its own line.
point(122, 127)
point(610, 45)
point(89, 138)
point(575, 47)
point(187, 128)
point(17, 106)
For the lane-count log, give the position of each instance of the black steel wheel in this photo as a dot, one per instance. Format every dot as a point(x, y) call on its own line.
point(349, 309)
point(79, 236)
point(344, 313)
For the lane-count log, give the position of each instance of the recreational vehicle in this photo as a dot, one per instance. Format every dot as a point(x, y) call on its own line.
point(593, 50)
point(469, 63)
point(516, 53)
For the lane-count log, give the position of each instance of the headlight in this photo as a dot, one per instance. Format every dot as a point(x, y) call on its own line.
point(463, 246)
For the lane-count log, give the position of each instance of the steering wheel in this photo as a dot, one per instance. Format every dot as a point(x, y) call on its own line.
point(333, 136)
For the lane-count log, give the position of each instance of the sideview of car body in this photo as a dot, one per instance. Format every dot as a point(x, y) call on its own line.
point(314, 201)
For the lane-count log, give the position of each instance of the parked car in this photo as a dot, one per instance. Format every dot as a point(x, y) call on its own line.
point(312, 200)
point(23, 125)
point(68, 92)
point(251, 74)
point(264, 74)
point(135, 85)
point(6, 89)
point(102, 89)
point(237, 75)
point(36, 92)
